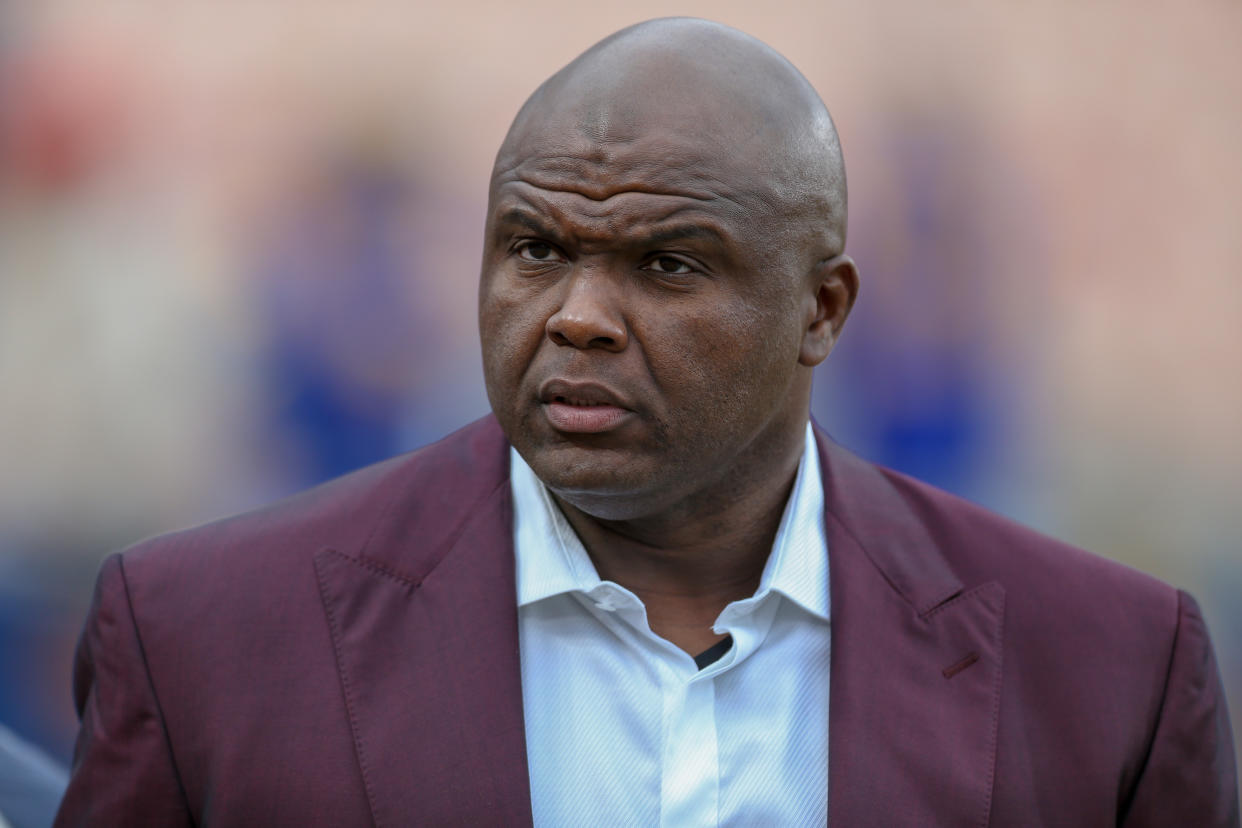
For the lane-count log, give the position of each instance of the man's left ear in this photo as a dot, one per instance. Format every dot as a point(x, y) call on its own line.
point(836, 287)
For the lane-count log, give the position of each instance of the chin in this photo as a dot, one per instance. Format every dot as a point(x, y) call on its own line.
point(614, 506)
point(601, 483)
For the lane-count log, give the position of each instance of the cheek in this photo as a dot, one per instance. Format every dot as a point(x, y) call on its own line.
point(717, 367)
point(510, 330)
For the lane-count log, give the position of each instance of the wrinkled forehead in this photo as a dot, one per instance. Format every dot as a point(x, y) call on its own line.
point(661, 160)
point(647, 135)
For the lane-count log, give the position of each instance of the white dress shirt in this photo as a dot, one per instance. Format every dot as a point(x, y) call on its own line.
point(622, 728)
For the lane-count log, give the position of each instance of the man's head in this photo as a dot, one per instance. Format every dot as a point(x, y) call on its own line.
point(663, 269)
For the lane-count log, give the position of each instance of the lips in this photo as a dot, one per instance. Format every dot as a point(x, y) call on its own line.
point(582, 408)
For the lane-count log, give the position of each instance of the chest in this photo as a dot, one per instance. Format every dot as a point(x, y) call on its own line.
point(624, 728)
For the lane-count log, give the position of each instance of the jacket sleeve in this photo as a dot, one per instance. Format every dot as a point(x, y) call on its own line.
point(123, 772)
point(1190, 775)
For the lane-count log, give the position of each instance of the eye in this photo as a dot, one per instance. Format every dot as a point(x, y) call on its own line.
point(669, 266)
point(537, 251)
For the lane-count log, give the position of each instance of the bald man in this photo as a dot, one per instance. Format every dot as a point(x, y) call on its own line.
point(646, 591)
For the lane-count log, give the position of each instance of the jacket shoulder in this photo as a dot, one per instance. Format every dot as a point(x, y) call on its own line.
point(981, 545)
point(1074, 622)
point(425, 492)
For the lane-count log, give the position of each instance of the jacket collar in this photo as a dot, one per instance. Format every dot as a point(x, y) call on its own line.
point(916, 657)
point(424, 627)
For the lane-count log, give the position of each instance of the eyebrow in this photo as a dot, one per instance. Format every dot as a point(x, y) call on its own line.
point(659, 236)
point(516, 215)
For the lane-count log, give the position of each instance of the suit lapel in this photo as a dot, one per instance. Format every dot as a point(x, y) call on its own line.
point(916, 663)
point(425, 634)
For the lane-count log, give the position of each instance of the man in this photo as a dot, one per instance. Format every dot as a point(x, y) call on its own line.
point(647, 591)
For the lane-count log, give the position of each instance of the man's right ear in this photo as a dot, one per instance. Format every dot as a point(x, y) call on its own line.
point(836, 288)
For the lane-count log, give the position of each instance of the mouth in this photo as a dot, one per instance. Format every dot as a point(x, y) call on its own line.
point(582, 408)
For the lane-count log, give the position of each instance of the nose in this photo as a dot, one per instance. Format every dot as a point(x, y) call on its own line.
point(590, 315)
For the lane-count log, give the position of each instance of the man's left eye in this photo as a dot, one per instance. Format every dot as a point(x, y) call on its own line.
point(670, 266)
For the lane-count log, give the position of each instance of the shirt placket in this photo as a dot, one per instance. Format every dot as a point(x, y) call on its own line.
point(690, 789)
point(689, 777)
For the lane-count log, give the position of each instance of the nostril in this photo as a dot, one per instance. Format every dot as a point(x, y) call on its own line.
point(585, 331)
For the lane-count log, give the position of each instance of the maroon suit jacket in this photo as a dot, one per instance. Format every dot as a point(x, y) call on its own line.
point(350, 657)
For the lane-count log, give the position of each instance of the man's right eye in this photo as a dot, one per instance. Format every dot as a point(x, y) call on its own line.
point(535, 251)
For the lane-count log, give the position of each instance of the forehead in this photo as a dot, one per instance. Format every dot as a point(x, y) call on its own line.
point(649, 176)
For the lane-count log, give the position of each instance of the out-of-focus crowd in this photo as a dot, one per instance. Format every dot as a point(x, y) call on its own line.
point(239, 244)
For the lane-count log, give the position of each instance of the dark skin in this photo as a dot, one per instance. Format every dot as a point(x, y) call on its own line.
point(664, 253)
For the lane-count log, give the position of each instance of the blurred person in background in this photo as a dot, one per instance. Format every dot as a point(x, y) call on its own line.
point(630, 594)
point(940, 413)
point(341, 354)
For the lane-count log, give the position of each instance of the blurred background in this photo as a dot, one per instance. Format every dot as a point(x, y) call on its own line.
point(239, 243)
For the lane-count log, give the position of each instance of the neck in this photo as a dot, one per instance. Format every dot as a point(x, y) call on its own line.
point(690, 561)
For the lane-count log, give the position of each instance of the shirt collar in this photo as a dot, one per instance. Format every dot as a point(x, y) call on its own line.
point(550, 557)
point(552, 560)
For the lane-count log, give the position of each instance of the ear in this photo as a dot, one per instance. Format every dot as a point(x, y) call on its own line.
point(835, 282)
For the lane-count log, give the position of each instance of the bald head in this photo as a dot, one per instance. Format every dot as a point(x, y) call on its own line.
point(662, 271)
point(706, 99)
